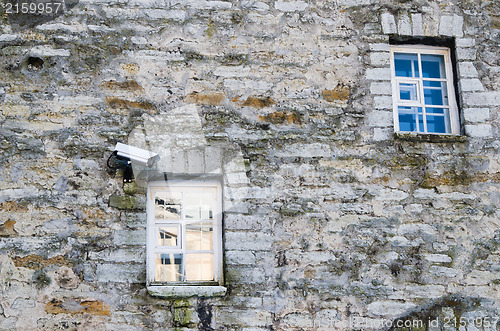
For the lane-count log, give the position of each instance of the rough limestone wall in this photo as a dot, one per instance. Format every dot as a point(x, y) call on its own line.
point(330, 219)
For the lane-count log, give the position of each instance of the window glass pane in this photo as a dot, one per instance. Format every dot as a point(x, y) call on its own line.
point(168, 205)
point(168, 267)
point(168, 235)
point(199, 236)
point(406, 65)
point(435, 93)
point(435, 110)
point(408, 91)
point(421, 127)
point(199, 267)
point(432, 66)
point(199, 205)
point(438, 123)
point(407, 118)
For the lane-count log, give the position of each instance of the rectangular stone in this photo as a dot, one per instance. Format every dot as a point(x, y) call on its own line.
point(247, 317)
point(291, 6)
point(195, 161)
point(423, 193)
point(179, 162)
point(382, 88)
point(438, 258)
point(466, 53)
point(425, 291)
point(119, 255)
point(467, 69)
point(482, 99)
point(388, 23)
point(470, 85)
point(240, 257)
point(306, 150)
point(465, 42)
point(251, 241)
point(476, 115)
point(417, 24)
point(246, 222)
point(378, 74)
point(380, 118)
point(382, 102)
point(245, 275)
point(379, 47)
point(128, 202)
point(446, 26)
point(404, 25)
point(203, 4)
point(121, 273)
point(379, 59)
point(236, 178)
point(47, 51)
point(458, 26)
point(128, 237)
point(254, 5)
point(380, 134)
point(443, 271)
point(388, 308)
point(478, 130)
point(213, 159)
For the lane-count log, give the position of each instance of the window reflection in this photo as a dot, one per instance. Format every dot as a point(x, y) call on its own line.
point(406, 65)
point(199, 267)
point(199, 236)
point(168, 267)
point(199, 205)
point(432, 66)
point(168, 235)
point(168, 205)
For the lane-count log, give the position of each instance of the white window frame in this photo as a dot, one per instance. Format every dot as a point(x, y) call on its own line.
point(151, 249)
point(452, 104)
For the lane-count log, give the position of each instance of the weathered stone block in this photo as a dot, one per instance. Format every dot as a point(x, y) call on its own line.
point(388, 308)
point(388, 23)
point(380, 118)
point(468, 85)
point(417, 24)
point(121, 273)
point(476, 115)
point(404, 25)
point(467, 69)
point(291, 6)
point(378, 74)
point(130, 237)
point(478, 130)
point(250, 241)
point(127, 202)
point(383, 88)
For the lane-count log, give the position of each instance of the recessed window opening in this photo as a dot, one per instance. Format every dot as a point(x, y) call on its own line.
point(184, 232)
point(423, 90)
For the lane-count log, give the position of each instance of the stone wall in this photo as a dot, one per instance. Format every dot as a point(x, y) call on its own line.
point(331, 220)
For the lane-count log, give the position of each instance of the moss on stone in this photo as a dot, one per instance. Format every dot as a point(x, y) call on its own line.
point(182, 316)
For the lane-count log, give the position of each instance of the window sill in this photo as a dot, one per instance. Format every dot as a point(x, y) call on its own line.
point(186, 291)
point(427, 137)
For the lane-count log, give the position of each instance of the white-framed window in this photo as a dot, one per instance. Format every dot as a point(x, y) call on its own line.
point(184, 233)
point(423, 91)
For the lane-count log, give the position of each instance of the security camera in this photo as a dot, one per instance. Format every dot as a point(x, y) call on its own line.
point(136, 155)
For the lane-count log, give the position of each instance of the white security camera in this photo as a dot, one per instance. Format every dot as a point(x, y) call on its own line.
point(136, 155)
